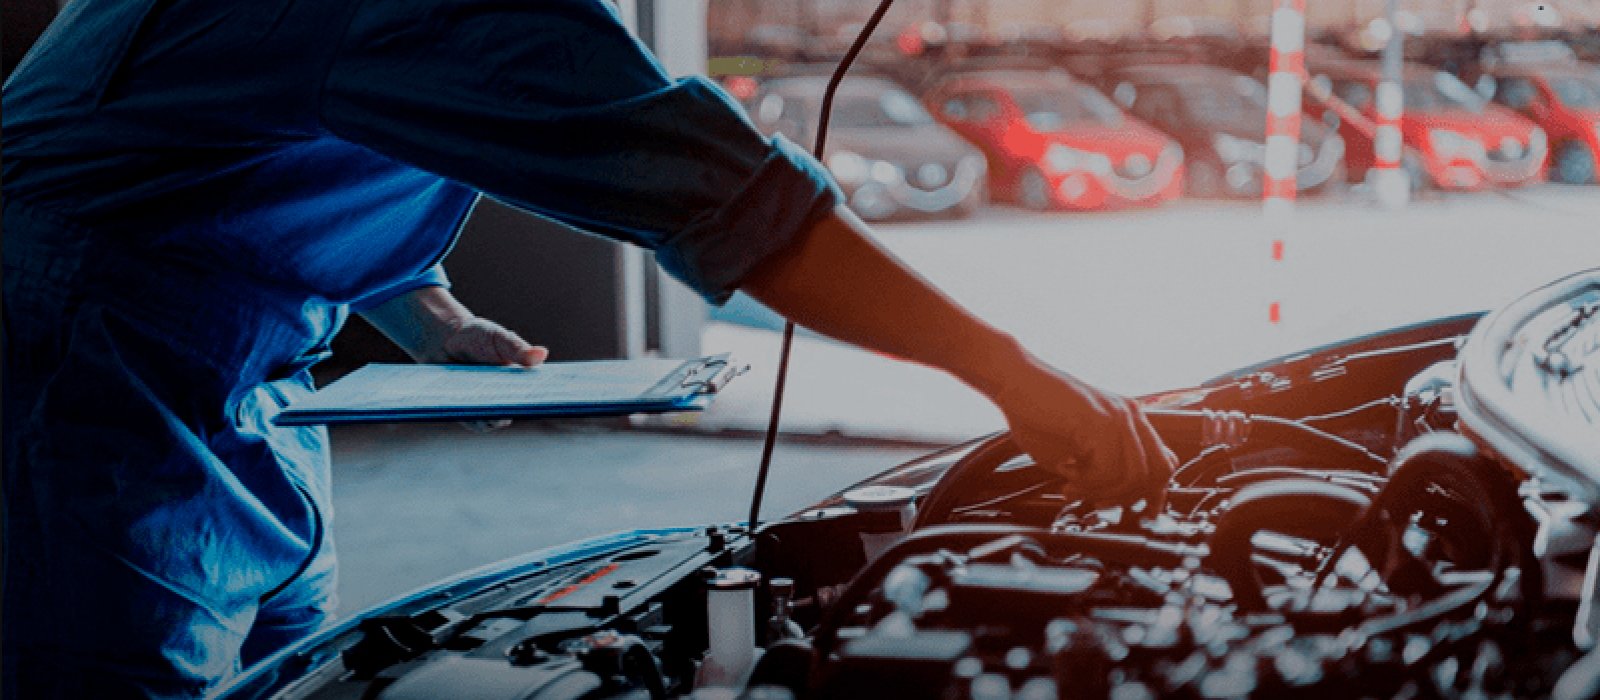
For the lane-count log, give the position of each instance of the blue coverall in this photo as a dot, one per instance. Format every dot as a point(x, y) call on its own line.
point(196, 192)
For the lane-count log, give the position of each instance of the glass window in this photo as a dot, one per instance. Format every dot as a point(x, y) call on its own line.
point(970, 107)
point(1516, 93)
point(891, 107)
point(1157, 104)
point(1442, 91)
point(1240, 99)
point(956, 108)
point(1355, 93)
point(982, 107)
point(1577, 92)
point(1053, 109)
point(903, 109)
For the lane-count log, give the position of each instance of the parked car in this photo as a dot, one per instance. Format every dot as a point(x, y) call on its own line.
point(1408, 513)
point(1454, 138)
point(1219, 116)
point(1055, 143)
point(887, 153)
point(1564, 100)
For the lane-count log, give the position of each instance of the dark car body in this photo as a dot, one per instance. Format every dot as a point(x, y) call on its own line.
point(1564, 100)
point(1055, 143)
point(891, 158)
point(1219, 117)
point(1454, 139)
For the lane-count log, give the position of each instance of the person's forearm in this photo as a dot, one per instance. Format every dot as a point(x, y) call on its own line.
point(837, 281)
point(420, 321)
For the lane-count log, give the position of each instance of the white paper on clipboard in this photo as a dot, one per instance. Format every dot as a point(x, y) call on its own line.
point(399, 392)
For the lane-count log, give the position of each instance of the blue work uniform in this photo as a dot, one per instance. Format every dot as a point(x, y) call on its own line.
point(196, 193)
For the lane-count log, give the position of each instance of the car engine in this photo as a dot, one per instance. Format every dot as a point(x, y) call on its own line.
point(1407, 515)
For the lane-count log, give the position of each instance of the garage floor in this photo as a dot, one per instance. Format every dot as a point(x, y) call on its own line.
point(416, 503)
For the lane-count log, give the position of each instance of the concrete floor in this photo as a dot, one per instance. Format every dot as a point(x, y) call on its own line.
point(417, 503)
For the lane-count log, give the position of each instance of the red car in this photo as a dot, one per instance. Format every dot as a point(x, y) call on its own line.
point(1055, 143)
point(1454, 138)
point(1564, 99)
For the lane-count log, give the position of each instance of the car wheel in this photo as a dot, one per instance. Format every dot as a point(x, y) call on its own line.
point(1574, 164)
point(1033, 190)
point(1338, 183)
point(1204, 179)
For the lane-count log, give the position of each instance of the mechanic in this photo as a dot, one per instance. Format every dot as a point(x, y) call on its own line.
point(197, 192)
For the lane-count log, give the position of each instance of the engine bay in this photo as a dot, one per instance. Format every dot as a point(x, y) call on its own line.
point(1407, 515)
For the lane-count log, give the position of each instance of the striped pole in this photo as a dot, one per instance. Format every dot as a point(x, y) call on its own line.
point(1288, 67)
point(1388, 181)
point(1283, 104)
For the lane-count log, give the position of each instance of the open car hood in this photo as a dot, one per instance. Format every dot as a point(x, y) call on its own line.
point(1408, 512)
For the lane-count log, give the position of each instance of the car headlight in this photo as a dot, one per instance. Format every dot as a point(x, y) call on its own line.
point(932, 174)
point(887, 173)
point(1227, 147)
point(1449, 144)
point(1061, 159)
point(1537, 140)
point(1232, 150)
point(1137, 164)
point(1099, 164)
point(848, 168)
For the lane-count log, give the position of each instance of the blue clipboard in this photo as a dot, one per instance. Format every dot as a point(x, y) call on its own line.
point(388, 393)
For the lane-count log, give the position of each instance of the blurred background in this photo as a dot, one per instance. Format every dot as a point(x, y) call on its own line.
point(1146, 192)
point(1099, 177)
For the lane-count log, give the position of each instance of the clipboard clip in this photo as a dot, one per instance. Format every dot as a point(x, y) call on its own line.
point(711, 377)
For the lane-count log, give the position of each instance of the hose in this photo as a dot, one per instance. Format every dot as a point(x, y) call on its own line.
point(1176, 426)
point(1295, 507)
point(1185, 426)
point(1449, 466)
point(950, 491)
point(1129, 549)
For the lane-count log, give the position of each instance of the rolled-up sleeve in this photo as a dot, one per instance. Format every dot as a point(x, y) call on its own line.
point(431, 277)
point(554, 107)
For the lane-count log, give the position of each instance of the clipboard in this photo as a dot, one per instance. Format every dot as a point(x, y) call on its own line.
point(389, 393)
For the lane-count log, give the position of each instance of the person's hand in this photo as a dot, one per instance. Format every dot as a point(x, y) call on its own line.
point(1101, 443)
point(479, 341)
point(431, 325)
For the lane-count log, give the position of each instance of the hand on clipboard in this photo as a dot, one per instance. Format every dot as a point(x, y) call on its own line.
point(385, 393)
point(479, 341)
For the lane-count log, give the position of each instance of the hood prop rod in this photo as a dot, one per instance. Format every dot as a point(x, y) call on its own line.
point(788, 326)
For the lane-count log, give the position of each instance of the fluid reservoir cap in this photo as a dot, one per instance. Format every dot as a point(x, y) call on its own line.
point(880, 498)
point(735, 578)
